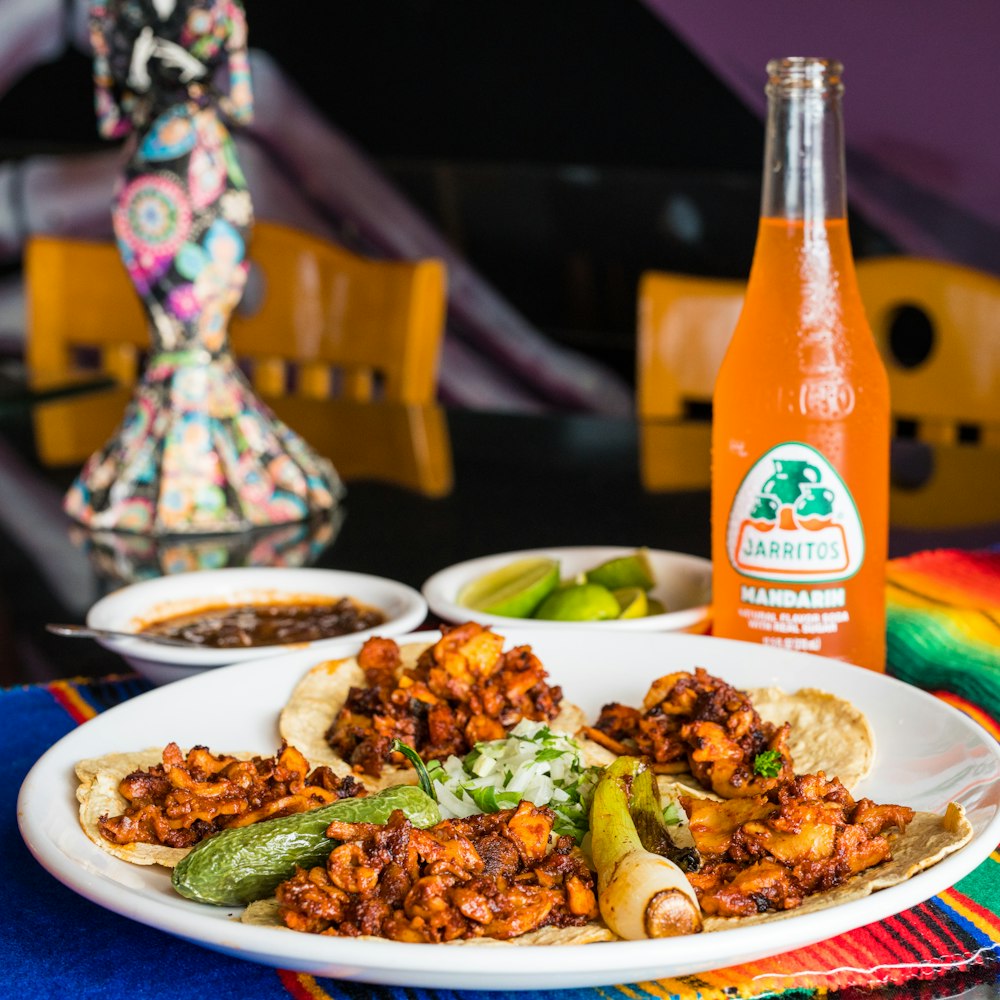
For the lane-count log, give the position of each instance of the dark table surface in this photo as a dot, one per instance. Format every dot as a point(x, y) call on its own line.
point(518, 481)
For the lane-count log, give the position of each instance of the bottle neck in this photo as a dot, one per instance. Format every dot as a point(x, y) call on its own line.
point(804, 176)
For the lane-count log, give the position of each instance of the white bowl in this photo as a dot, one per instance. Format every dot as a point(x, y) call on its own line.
point(683, 586)
point(131, 607)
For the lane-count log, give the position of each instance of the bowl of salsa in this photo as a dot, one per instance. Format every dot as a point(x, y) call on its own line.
point(229, 615)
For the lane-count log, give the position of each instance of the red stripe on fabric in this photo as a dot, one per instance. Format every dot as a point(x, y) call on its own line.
point(852, 949)
point(971, 573)
point(925, 945)
point(72, 706)
point(940, 920)
point(835, 953)
point(918, 924)
point(891, 937)
point(837, 957)
point(868, 945)
point(890, 955)
point(294, 987)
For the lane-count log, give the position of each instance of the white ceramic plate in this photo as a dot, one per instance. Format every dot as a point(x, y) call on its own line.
point(683, 586)
point(927, 755)
point(126, 610)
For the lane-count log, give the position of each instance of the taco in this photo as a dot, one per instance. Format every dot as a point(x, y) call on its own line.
point(152, 806)
point(498, 877)
point(99, 796)
point(440, 698)
point(807, 846)
point(804, 844)
point(721, 742)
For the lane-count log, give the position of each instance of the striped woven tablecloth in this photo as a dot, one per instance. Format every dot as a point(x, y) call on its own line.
point(943, 635)
point(943, 627)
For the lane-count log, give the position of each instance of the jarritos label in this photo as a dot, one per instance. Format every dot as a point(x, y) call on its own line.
point(793, 520)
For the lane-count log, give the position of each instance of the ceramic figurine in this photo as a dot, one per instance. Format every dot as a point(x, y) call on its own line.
point(197, 451)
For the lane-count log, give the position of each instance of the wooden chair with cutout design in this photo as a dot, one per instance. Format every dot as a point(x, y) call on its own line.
point(937, 327)
point(319, 329)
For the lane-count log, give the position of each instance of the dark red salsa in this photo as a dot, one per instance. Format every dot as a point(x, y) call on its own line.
point(273, 624)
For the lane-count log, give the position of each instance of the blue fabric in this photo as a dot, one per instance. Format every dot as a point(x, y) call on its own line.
point(89, 952)
point(45, 957)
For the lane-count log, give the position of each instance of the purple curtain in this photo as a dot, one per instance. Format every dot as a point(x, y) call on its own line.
point(921, 103)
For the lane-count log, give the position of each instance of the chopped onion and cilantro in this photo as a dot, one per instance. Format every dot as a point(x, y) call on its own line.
point(533, 763)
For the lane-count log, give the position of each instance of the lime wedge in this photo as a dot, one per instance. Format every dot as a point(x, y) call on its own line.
point(632, 601)
point(580, 602)
point(624, 571)
point(514, 590)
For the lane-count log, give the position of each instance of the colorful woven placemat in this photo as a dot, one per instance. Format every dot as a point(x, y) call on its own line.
point(58, 944)
point(943, 627)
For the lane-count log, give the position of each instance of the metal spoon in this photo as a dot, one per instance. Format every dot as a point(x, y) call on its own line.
point(85, 632)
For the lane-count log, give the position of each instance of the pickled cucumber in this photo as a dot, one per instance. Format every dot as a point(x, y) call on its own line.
point(240, 865)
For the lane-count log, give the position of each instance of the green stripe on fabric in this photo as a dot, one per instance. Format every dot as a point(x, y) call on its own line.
point(928, 650)
point(983, 884)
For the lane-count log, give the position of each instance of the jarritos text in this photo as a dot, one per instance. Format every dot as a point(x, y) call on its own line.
point(793, 520)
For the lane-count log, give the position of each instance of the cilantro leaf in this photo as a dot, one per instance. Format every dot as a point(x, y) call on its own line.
point(768, 764)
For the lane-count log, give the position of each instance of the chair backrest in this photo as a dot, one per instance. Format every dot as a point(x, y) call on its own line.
point(315, 318)
point(937, 327)
point(82, 311)
point(684, 328)
point(351, 326)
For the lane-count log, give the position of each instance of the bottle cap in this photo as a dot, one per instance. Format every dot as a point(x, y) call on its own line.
point(805, 73)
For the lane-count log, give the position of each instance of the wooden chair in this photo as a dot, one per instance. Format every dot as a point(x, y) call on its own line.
point(373, 326)
point(684, 328)
point(940, 486)
point(937, 327)
point(316, 322)
point(675, 455)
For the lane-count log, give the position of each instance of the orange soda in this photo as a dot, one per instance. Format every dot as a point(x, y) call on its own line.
point(800, 435)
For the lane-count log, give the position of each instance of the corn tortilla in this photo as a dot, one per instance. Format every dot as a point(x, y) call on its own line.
point(829, 734)
point(322, 692)
point(98, 796)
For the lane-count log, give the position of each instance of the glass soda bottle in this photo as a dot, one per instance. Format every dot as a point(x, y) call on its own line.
point(800, 433)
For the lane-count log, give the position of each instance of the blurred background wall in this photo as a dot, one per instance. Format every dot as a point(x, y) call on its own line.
point(563, 146)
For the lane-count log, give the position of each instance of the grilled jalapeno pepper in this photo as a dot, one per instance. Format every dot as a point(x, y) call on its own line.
point(240, 865)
